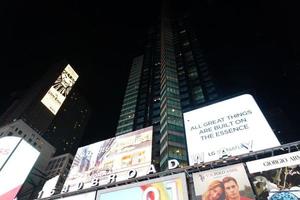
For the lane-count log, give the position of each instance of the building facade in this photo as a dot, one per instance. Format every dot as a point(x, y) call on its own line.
point(67, 128)
point(38, 173)
point(60, 122)
point(59, 166)
point(171, 77)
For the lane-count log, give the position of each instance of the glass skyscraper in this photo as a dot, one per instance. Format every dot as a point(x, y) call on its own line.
point(171, 77)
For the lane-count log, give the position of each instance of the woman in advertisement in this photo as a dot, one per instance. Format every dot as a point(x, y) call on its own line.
point(215, 191)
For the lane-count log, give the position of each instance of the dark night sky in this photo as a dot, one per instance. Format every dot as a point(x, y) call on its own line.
point(251, 45)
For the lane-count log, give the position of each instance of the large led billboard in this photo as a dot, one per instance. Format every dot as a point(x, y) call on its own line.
point(7, 145)
point(113, 157)
point(167, 188)
point(231, 127)
point(15, 170)
point(276, 177)
point(49, 187)
point(58, 92)
point(85, 196)
point(230, 182)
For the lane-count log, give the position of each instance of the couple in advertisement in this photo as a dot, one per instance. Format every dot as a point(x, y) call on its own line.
point(227, 189)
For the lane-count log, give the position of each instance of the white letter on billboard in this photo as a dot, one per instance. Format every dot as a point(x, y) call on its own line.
point(52, 192)
point(112, 178)
point(172, 164)
point(40, 194)
point(65, 189)
point(152, 169)
point(95, 182)
point(132, 174)
point(80, 185)
point(151, 190)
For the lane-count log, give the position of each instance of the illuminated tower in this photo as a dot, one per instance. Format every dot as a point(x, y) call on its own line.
point(171, 77)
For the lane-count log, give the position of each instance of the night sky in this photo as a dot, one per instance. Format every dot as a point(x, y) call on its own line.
point(250, 46)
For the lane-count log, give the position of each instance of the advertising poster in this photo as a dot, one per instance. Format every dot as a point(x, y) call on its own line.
point(115, 156)
point(230, 183)
point(276, 177)
point(232, 127)
point(167, 188)
point(16, 169)
point(58, 92)
point(85, 196)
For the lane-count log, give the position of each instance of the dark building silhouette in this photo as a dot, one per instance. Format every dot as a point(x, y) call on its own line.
point(63, 129)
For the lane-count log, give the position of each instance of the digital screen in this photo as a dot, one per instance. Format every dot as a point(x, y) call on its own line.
point(16, 169)
point(117, 156)
point(167, 188)
point(230, 182)
point(58, 92)
point(276, 177)
point(85, 196)
point(232, 127)
point(7, 145)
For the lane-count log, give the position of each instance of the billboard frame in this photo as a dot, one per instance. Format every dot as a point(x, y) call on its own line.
point(188, 170)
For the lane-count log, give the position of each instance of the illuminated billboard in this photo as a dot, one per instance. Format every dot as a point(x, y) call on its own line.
point(166, 188)
point(277, 176)
point(58, 92)
point(228, 128)
point(85, 196)
point(230, 182)
point(114, 157)
point(15, 170)
point(49, 187)
point(7, 145)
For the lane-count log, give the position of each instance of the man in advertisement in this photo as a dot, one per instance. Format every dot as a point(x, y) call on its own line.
point(232, 190)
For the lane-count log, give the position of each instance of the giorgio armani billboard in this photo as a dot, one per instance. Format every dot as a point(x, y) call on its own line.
point(276, 177)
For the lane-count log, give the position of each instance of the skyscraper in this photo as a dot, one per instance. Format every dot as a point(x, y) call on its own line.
point(53, 107)
point(171, 77)
point(67, 128)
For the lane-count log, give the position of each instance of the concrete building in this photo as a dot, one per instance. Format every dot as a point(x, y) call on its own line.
point(38, 174)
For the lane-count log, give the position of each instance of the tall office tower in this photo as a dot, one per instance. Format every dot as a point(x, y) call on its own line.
point(67, 128)
point(53, 108)
point(171, 77)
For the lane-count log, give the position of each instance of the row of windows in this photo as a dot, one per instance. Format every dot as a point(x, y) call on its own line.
point(127, 115)
point(129, 123)
point(124, 130)
point(35, 141)
point(128, 104)
point(125, 122)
